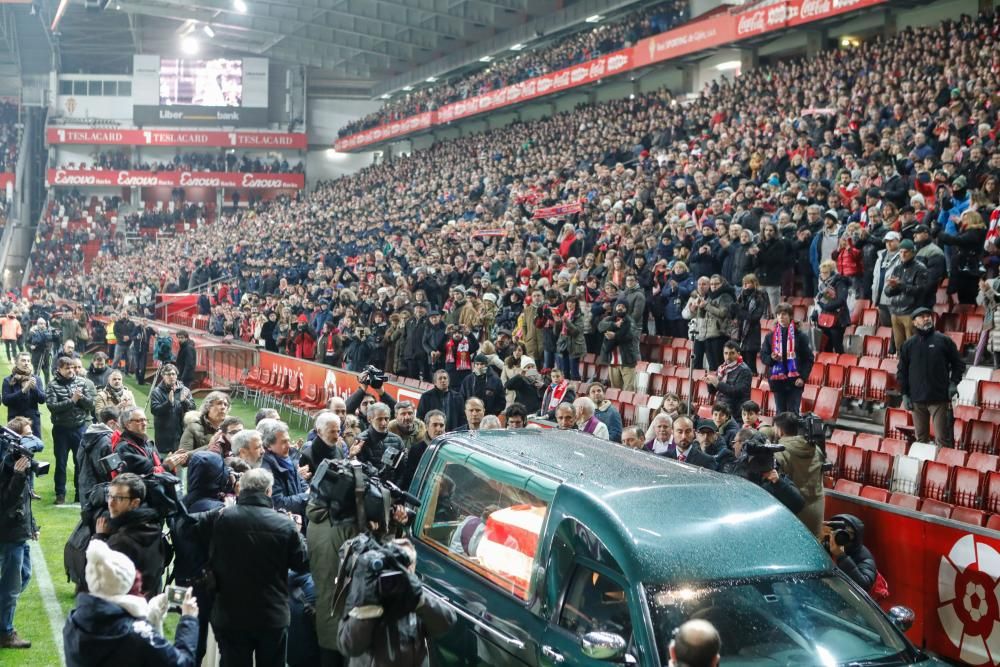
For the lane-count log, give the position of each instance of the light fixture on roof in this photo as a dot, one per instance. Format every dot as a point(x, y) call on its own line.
point(207, 29)
point(386, 96)
point(518, 46)
point(486, 59)
point(431, 79)
point(594, 18)
point(190, 46)
point(240, 6)
point(407, 88)
point(728, 65)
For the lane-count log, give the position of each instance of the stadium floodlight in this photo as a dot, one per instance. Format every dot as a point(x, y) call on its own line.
point(386, 96)
point(207, 29)
point(190, 46)
point(486, 59)
point(240, 6)
point(594, 18)
point(728, 65)
point(407, 88)
point(431, 79)
point(518, 46)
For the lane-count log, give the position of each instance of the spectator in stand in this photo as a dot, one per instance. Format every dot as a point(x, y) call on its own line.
point(886, 259)
point(770, 261)
point(930, 368)
point(731, 382)
point(930, 255)
point(661, 428)
point(23, 393)
point(694, 312)
point(675, 295)
point(99, 371)
point(751, 306)
point(124, 329)
point(606, 411)
point(966, 256)
point(989, 299)
point(526, 385)
point(788, 360)
point(556, 393)
point(619, 346)
point(200, 427)
point(565, 417)
point(632, 437)
point(587, 421)
point(905, 287)
point(832, 316)
point(442, 398)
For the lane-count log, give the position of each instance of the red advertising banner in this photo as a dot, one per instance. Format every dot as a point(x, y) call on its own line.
point(173, 179)
point(947, 572)
point(710, 32)
point(206, 138)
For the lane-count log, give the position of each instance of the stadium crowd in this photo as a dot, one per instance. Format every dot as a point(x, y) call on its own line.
point(221, 161)
point(564, 52)
point(710, 212)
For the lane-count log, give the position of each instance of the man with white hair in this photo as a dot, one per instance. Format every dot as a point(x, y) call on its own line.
point(290, 490)
point(662, 431)
point(586, 421)
point(248, 446)
point(327, 444)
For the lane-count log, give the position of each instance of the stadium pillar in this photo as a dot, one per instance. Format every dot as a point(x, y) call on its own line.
point(815, 41)
point(889, 30)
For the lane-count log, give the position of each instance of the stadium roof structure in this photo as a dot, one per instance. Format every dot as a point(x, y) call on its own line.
point(359, 48)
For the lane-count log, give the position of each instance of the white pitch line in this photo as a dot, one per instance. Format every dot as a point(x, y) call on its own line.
point(40, 572)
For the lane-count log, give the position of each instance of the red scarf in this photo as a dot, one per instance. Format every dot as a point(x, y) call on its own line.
point(727, 368)
point(558, 391)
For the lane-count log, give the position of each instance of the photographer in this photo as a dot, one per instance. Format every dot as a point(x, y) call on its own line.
point(70, 405)
point(408, 617)
point(754, 461)
point(803, 462)
point(843, 536)
point(39, 341)
point(17, 526)
point(374, 378)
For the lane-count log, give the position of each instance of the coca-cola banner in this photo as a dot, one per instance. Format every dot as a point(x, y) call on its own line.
point(195, 138)
point(710, 32)
point(173, 179)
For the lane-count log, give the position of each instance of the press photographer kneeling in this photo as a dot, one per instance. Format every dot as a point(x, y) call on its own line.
point(843, 537)
point(754, 461)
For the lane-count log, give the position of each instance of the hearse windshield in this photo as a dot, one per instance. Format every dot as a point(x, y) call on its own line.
point(807, 620)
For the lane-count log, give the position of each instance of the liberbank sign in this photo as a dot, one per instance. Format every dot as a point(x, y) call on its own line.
point(199, 116)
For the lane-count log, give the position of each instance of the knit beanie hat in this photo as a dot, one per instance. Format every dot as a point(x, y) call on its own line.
point(109, 573)
point(526, 361)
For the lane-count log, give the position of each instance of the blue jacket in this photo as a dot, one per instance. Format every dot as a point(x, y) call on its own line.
point(99, 633)
point(290, 491)
point(612, 420)
point(675, 298)
point(22, 403)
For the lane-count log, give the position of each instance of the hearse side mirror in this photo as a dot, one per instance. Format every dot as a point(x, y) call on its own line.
point(902, 617)
point(603, 646)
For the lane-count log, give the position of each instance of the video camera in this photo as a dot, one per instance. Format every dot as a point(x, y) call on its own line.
point(373, 377)
point(12, 442)
point(341, 484)
point(813, 429)
point(387, 587)
point(757, 458)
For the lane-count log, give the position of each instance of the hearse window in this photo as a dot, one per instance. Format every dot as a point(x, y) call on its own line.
point(490, 526)
point(595, 603)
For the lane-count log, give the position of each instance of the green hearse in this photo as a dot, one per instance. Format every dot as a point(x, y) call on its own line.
point(556, 548)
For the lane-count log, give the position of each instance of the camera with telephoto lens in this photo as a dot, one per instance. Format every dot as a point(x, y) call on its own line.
point(839, 533)
point(372, 376)
point(336, 484)
point(758, 457)
point(12, 442)
point(111, 463)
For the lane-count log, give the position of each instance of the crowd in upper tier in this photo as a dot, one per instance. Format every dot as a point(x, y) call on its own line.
point(560, 54)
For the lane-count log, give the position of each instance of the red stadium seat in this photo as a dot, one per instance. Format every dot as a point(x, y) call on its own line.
point(980, 436)
point(894, 418)
point(833, 458)
point(878, 384)
point(991, 492)
point(852, 463)
point(879, 469)
point(993, 523)
point(968, 515)
point(936, 508)
point(809, 394)
point(826, 358)
point(828, 404)
point(842, 437)
point(893, 446)
point(967, 412)
point(983, 462)
point(818, 374)
point(952, 457)
point(967, 489)
point(989, 394)
point(847, 486)
point(937, 481)
point(875, 493)
point(857, 380)
point(868, 441)
point(869, 362)
point(875, 346)
point(835, 376)
point(905, 500)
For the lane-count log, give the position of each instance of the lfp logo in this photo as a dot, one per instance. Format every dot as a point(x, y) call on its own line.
point(969, 608)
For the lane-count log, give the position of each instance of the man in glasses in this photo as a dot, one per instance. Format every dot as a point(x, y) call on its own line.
point(137, 451)
point(133, 529)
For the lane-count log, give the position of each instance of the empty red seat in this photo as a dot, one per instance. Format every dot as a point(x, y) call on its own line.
point(852, 463)
point(967, 412)
point(936, 508)
point(905, 500)
point(967, 487)
point(879, 469)
point(893, 446)
point(968, 515)
point(894, 419)
point(993, 523)
point(989, 394)
point(869, 362)
point(991, 492)
point(983, 462)
point(875, 346)
point(857, 380)
point(980, 436)
point(973, 326)
point(827, 358)
point(951, 456)
point(833, 458)
point(809, 394)
point(842, 437)
point(818, 374)
point(847, 486)
point(878, 383)
point(835, 376)
point(869, 317)
point(937, 481)
point(868, 441)
point(875, 493)
point(828, 404)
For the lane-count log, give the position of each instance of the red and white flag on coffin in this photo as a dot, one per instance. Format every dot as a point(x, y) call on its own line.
point(509, 543)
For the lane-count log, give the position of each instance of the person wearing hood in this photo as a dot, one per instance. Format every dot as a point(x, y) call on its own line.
point(111, 626)
point(169, 402)
point(485, 385)
point(931, 255)
point(526, 385)
point(95, 445)
point(618, 346)
point(99, 371)
point(803, 463)
point(853, 558)
point(930, 368)
point(445, 399)
point(718, 318)
point(134, 529)
point(606, 411)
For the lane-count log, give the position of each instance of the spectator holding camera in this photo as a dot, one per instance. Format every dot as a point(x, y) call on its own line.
point(399, 635)
point(111, 626)
point(169, 401)
point(803, 462)
point(369, 377)
point(619, 336)
point(843, 536)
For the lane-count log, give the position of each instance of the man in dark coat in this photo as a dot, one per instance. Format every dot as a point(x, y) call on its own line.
point(17, 526)
point(731, 382)
point(618, 346)
point(444, 399)
point(186, 359)
point(134, 529)
point(70, 401)
point(414, 357)
point(788, 362)
point(169, 402)
point(290, 491)
point(930, 368)
point(853, 559)
point(485, 385)
point(96, 445)
point(24, 392)
point(253, 548)
point(684, 448)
